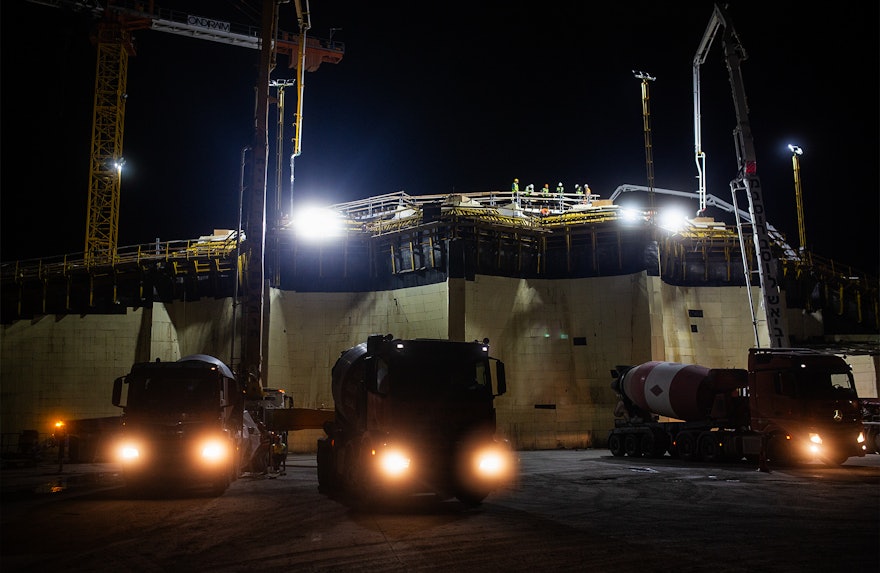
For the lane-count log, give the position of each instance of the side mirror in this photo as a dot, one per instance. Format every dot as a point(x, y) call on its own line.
point(117, 391)
point(502, 378)
point(370, 373)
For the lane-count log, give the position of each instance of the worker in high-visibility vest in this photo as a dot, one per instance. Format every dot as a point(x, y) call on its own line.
point(559, 188)
point(514, 187)
point(530, 190)
point(546, 189)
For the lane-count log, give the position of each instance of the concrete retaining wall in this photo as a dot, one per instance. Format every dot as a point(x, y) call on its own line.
point(558, 338)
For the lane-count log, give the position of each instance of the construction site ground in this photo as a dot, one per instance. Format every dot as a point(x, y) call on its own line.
point(568, 510)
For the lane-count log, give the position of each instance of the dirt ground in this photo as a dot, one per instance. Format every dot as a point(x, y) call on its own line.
point(569, 510)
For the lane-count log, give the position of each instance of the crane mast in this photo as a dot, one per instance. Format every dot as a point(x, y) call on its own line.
point(105, 165)
point(305, 24)
point(747, 173)
point(116, 20)
point(251, 367)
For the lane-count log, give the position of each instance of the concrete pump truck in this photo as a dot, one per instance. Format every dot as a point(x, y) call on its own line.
point(789, 404)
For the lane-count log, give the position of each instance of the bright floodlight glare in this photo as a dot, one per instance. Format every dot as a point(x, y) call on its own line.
point(315, 223)
point(629, 215)
point(672, 220)
point(795, 149)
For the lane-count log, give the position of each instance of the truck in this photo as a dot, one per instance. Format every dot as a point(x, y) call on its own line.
point(790, 405)
point(871, 421)
point(414, 418)
point(182, 424)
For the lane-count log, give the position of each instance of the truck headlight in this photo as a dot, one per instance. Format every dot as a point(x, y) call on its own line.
point(861, 438)
point(393, 462)
point(492, 463)
point(213, 451)
point(815, 438)
point(129, 452)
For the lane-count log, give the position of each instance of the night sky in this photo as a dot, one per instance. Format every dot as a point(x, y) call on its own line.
point(442, 97)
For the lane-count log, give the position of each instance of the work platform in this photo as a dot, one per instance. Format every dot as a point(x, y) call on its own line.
point(398, 240)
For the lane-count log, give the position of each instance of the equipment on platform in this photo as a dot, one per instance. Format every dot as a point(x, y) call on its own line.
point(414, 417)
point(790, 405)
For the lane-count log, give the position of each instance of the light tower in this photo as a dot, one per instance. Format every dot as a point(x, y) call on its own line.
point(796, 153)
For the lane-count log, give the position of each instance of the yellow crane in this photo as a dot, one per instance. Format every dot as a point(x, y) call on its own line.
point(117, 20)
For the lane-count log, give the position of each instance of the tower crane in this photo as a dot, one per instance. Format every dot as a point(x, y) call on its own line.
point(747, 172)
point(116, 21)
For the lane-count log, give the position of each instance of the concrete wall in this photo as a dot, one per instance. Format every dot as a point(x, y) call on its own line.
point(558, 338)
point(63, 367)
point(308, 332)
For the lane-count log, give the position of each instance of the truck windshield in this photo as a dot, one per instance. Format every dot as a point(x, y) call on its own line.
point(434, 378)
point(173, 392)
point(825, 385)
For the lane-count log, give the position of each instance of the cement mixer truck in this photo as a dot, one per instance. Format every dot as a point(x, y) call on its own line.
point(414, 417)
point(791, 405)
point(182, 423)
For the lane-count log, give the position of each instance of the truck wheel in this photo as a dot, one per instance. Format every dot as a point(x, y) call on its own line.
point(710, 451)
point(326, 467)
point(686, 445)
point(355, 473)
point(839, 460)
point(653, 445)
point(632, 445)
point(221, 483)
point(471, 499)
point(646, 444)
point(779, 450)
point(615, 444)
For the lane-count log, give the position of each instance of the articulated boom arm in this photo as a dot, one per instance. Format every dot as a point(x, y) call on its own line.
point(747, 174)
point(699, 59)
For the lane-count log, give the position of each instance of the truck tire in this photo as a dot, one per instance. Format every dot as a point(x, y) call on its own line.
point(686, 446)
point(709, 448)
point(632, 445)
point(646, 444)
point(327, 482)
point(779, 450)
point(835, 461)
point(654, 444)
point(354, 473)
point(471, 499)
point(615, 445)
point(874, 440)
point(221, 482)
